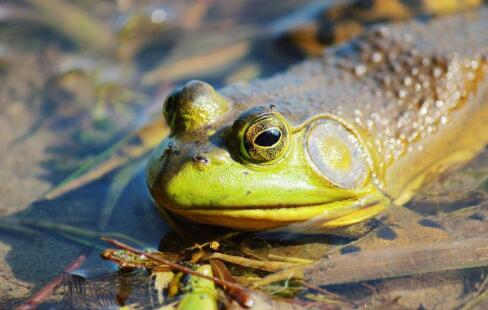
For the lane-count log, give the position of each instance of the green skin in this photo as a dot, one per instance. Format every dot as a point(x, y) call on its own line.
point(214, 169)
point(200, 293)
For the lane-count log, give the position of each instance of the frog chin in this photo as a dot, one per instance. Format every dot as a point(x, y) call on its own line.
point(319, 217)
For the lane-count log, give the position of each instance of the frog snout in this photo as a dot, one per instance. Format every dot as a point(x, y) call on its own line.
point(201, 159)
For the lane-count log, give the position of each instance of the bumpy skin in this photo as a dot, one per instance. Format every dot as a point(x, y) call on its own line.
point(412, 99)
point(348, 19)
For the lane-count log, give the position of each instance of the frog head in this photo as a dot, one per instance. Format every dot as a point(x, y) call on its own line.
point(249, 168)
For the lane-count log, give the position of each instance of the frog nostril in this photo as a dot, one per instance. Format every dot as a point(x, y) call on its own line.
point(171, 149)
point(201, 159)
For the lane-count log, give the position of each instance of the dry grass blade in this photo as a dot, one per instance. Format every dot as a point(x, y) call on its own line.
point(129, 148)
point(198, 64)
point(117, 187)
point(78, 232)
point(252, 263)
point(293, 272)
point(87, 32)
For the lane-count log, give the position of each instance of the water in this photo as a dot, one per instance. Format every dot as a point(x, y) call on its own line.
point(66, 97)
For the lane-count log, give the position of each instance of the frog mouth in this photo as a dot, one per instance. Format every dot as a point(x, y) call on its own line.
point(326, 216)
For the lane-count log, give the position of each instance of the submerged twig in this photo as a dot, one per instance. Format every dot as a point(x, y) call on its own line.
point(400, 261)
point(480, 296)
point(49, 288)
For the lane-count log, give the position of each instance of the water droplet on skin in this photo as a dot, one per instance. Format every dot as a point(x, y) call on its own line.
point(376, 57)
point(439, 103)
point(408, 38)
point(402, 93)
point(158, 16)
point(443, 120)
point(359, 70)
point(383, 32)
point(386, 80)
point(437, 72)
point(407, 81)
point(397, 68)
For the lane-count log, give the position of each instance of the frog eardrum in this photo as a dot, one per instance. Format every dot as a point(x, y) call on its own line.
point(336, 153)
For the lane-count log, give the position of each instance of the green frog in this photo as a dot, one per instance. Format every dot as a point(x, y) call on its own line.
point(331, 142)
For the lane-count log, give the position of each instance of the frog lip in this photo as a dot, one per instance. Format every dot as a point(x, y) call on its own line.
point(258, 219)
point(211, 208)
point(256, 211)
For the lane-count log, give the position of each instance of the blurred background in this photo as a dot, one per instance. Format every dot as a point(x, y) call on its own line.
point(82, 84)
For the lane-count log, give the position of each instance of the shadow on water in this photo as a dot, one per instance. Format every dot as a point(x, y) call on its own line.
point(41, 245)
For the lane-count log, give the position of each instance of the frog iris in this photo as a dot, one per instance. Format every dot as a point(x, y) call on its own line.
point(265, 139)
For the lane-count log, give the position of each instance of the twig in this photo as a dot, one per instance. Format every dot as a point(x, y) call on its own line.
point(173, 265)
point(242, 297)
point(49, 288)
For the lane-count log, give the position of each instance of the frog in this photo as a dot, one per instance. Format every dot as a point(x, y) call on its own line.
point(333, 141)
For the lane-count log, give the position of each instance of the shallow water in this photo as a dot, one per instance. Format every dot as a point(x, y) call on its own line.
point(66, 98)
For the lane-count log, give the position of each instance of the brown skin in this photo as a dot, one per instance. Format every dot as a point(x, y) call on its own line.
point(422, 109)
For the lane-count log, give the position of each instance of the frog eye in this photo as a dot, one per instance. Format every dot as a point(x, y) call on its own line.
point(336, 153)
point(265, 139)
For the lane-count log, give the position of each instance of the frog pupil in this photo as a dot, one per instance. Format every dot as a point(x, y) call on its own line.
point(268, 138)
